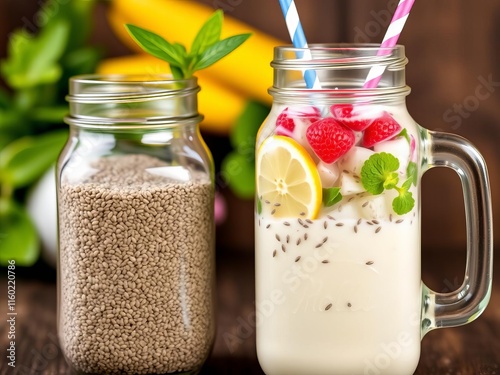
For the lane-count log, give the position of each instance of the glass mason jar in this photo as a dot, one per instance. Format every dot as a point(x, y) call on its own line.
point(338, 276)
point(135, 191)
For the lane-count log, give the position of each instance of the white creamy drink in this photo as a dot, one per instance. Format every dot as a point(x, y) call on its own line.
point(342, 308)
point(338, 242)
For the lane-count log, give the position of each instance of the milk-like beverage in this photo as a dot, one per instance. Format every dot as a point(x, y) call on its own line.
point(337, 219)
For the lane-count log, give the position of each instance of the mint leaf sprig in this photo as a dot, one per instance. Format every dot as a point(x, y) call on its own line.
point(207, 47)
point(379, 173)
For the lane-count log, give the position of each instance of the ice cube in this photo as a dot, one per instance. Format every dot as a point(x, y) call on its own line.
point(353, 161)
point(349, 184)
point(329, 173)
point(399, 148)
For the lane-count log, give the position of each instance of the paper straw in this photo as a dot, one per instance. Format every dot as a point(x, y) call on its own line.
point(390, 40)
point(298, 37)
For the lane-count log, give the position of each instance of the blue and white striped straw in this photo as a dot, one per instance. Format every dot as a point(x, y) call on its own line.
point(299, 39)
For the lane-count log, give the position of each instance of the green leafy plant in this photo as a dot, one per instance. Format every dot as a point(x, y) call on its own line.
point(32, 130)
point(331, 196)
point(238, 167)
point(207, 47)
point(379, 173)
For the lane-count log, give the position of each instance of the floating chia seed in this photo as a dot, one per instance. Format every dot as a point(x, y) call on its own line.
point(305, 236)
point(267, 202)
point(286, 223)
point(298, 241)
point(278, 237)
point(375, 222)
point(325, 239)
point(355, 229)
point(273, 212)
point(339, 224)
point(325, 261)
point(349, 304)
point(399, 221)
point(369, 263)
point(328, 307)
point(274, 253)
point(297, 259)
point(378, 229)
point(268, 226)
point(302, 214)
point(325, 225)
point(359, 221)
point(287, 238)
point(277, 204)
point(330, 217)
point(319, 245)
point(365, 204)
point(309, 221)
point(283, 248)
point(369, 223)
point(300, 221)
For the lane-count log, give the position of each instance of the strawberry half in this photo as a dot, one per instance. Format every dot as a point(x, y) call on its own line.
point(351, 117)
point(329, 139)
point(381, 129)
point(286, 121)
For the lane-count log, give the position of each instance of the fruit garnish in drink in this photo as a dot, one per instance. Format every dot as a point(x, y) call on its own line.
point(379, 173)
point(329, 139)
point(291, 118)
point(288, 184)
point(381, 129)
point(351, 116)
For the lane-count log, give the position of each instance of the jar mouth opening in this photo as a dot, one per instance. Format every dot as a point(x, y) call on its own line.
point(97, 88)
point(338, 56)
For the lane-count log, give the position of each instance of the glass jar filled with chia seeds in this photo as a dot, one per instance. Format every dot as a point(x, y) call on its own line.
point(135, 190)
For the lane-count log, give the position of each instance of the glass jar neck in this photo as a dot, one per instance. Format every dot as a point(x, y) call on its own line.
point(125, 102)
point(339, 71)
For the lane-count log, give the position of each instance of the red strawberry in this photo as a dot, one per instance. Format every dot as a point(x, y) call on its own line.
point(351, 117)
point(329, 139)
point(286, 121)
point(382, 128)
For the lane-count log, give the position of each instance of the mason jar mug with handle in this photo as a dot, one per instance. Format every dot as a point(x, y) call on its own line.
point(337, 220)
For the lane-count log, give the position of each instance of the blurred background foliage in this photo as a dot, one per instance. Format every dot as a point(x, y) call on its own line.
point(35, 72)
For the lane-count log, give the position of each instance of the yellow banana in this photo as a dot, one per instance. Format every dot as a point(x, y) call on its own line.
point(220, 105)
point(247, 69)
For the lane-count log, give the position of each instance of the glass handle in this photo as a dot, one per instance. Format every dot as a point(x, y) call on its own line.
point(441, 310)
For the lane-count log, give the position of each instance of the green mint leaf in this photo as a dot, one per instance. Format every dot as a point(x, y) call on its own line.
point(411, 172)
point(206, 49)
point(404, 133)
point(331, 196)
point(406, 185)
point(378, 172)
point(219, 50)
point(209, 33)
point(403, 203)
point(391, 181)
point(156, 45)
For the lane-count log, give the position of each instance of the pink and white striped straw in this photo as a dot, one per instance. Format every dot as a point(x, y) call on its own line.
point(390, 40)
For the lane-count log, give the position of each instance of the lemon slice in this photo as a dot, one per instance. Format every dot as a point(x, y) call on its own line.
point(288, 182)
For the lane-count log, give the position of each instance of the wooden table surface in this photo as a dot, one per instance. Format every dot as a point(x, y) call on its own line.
point(469, 350)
